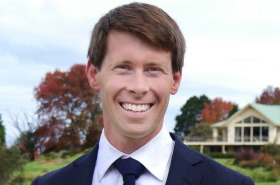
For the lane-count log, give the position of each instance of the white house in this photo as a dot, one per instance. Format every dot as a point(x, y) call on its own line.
point(254, 125)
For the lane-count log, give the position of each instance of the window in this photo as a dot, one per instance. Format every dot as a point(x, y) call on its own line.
point(238, 134)
point(264, 121)
point(239, 122)
point(265, 131)
point(256, 134)
point(256, 120)
point(247, 120)
point(247, 134)
point(251, 129)
point(252, 119)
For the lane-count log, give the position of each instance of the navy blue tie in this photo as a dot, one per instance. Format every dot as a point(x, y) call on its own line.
point(130, 169)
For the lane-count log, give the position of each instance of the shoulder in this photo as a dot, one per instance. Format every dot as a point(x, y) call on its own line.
point(80, 171)
point(55, 177)
point(186, 159)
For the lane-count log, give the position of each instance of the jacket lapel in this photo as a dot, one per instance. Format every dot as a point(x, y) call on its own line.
point(85, 167)
point(183, 169)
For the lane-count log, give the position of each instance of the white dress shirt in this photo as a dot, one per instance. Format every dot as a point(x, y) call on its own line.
point(155, 156)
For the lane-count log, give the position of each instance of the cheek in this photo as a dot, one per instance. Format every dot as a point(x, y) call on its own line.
point(164, 87)
point(110, 88)
point(162, 94)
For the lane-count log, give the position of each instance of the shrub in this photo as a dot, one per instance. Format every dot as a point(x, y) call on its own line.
point(266, 165)
point(19, 179)
point(259, 175)
point(271, 149)
point(267, 161)
point(51, 156)
point(10, 160)
point(245, 154)
point(248, 164)
point(265, 176)
point(274, 175)
point(67, 154)
point(221, 155)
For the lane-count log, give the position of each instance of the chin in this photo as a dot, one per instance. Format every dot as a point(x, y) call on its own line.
point(139, 133)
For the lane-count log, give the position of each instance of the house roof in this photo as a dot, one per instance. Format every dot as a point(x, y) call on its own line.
point(271, 112)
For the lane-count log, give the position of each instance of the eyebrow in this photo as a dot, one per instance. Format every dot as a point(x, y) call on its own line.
point(151, 64)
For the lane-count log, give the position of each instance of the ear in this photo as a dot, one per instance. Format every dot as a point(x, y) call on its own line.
point(91, 73)
point(176, 82)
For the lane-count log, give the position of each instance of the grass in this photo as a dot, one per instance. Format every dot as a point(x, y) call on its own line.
point(44, 165)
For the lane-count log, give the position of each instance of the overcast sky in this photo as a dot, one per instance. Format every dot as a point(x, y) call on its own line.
point(232, 48)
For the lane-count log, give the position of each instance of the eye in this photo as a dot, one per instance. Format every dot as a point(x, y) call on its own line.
point(154, 70)
point(122, 68)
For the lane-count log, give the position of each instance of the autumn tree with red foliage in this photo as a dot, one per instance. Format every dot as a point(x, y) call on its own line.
point(217, 110)
point(67, 110)
point(270, 96)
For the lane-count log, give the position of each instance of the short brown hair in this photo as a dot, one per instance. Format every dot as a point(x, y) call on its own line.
point(147, 22)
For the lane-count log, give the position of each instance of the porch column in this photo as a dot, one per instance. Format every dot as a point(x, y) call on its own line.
point(215, 134)
point(224, 149)
point(201, 148)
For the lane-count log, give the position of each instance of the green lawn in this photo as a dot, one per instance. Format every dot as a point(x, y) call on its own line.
point(42, 166)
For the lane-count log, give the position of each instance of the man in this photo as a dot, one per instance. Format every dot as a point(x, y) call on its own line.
point(136, 57)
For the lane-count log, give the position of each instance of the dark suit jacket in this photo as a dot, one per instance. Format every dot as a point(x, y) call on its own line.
point(188, 167)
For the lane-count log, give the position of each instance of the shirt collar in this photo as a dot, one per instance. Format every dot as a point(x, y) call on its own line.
point(107, 155)
point(156, 153)
point(148, 154)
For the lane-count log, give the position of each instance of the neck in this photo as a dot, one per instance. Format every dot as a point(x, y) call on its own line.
point(127, 144)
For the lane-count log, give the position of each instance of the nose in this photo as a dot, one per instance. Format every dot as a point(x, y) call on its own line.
point(138, 84)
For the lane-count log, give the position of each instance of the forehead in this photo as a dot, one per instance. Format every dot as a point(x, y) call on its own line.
point(123, 45)
point(119, 37)
point(148, 39)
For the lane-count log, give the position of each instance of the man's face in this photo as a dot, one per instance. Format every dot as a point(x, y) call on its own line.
point(135, 82)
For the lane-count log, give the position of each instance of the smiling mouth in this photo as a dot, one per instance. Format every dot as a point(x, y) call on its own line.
point(136, 108)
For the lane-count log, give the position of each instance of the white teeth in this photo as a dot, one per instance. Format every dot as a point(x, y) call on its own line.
point(136, 108)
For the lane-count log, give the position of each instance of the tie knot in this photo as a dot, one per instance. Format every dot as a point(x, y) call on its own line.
point(129, 166)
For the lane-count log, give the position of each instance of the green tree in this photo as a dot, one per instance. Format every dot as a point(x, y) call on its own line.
point(234, 109)
point(10, 160)
point(2, 132)
point(201, 132)
point(190, 115)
